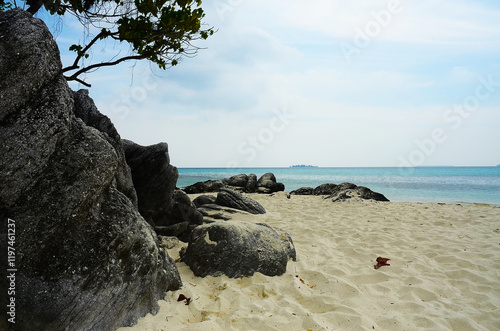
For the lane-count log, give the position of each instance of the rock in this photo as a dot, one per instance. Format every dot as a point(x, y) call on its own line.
point(204, 200)
point(342, 192)
point(303, 191)
point(366, 193)
point(183, 209)
point(269, 176)
point(85, 109)
point(154, 180)
point(323, 189)
point(267, 184)
point(24, 68)
point(251, 185)
point(205, 187)
point(286, 241)
point(238, 249)
point(233, 199)
point(86, 258)
point(344, 189)
point(237, 180)
point(16, 60)
point(329, 188)
point(348, 191)
point(213, 212)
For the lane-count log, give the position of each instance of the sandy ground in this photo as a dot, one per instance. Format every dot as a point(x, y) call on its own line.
point(444, 272)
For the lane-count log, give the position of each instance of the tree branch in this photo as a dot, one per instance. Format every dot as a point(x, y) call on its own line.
point(83, 51)
point(98, 65)
point(160, 31)
point(79, 81)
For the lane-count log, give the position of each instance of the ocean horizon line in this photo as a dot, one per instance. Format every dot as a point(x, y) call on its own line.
point(342, 167)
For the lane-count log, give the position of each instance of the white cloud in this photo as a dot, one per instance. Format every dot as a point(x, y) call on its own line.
point(268, 56)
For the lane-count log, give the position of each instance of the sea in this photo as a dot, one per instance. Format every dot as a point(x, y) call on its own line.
point(421, 184)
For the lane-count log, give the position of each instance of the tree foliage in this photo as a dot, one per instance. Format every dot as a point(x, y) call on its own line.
point(5, 5)
point(161, 31)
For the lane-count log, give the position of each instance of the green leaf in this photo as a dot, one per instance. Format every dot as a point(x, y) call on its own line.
point(5, 6)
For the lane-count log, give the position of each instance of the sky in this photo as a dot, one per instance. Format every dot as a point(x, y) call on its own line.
point(329, 83)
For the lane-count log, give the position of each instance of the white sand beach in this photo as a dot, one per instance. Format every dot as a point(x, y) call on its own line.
point(444, 272)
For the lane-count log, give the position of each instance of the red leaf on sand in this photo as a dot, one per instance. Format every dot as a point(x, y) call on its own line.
point(381, 262)
point(382, 259)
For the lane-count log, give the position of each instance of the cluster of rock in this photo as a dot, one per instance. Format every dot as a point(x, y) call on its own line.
point(87, 205)
point(85, 257)
point(235, 249)
point(342, 192)
point(245, 183)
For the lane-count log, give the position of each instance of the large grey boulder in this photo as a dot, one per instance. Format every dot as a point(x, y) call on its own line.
point(29, 59)
point(17, 61)
point(154, 179)
point(85, 258)
point(237, 180)
point(238, 249)
point(85, 109)
point(267, 184)
point(168, 210)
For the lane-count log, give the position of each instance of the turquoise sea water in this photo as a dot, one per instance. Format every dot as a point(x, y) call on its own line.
point(426, 184)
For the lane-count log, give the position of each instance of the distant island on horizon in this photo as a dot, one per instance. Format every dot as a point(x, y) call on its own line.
point(303, 166)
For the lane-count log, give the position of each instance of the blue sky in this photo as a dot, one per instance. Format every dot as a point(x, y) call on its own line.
point(329, 83)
